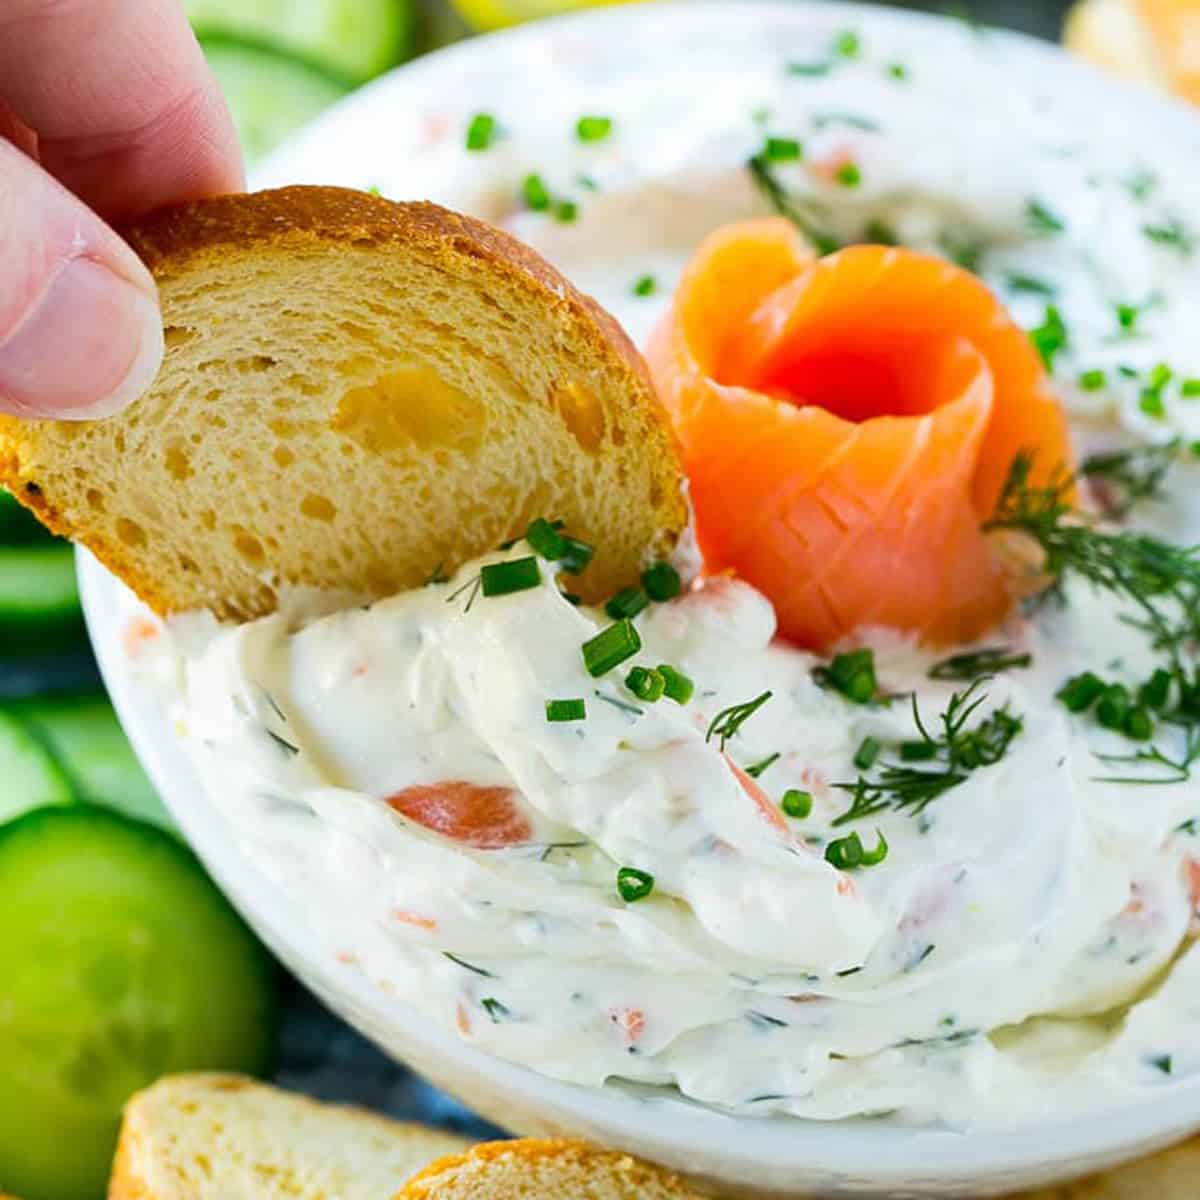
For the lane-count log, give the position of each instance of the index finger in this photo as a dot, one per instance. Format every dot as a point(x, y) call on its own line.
point(126, 112)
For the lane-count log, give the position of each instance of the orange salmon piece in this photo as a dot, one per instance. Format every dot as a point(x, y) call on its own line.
point(486, 818)
point(847, 424)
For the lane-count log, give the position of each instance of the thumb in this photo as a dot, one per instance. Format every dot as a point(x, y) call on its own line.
point(80, 331)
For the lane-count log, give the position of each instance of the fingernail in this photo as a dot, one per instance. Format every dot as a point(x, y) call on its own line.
point(90, 344)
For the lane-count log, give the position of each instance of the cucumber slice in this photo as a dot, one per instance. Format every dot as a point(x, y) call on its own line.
point(354, 39)
point(268, 96)
point(18, 525)
point(30, 774)
point(120, 962)
point(92, 752)
point(39, 599)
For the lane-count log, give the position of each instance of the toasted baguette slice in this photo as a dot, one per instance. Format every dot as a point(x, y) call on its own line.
point(1172, 1175)
point(543, 1169)
point(224, 1137)
point(356, 394)
point(1151, 41)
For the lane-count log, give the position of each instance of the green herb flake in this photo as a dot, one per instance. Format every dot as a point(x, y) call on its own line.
point(1050, 337)
point(1163, 1063)
point(852, 675)
point(645, 285)
point(1094, 380)
point(847, 44)
point(545, 540)
point(481, 131)
point(499, 1013)
point(504, 578)
point(646, 684)
point(1173, 235)
point(848, 175)
point(593, 129)
point(662, 582)
point(678, 686)
point(897, 71)
point(558, 711)
point(535, 193)
point(1041, 220)
point(849, 854)
point(797, 804)
point(755, 770)
point(867, 753)
point(1189, 389)
point(628, 602)
point(566, 211)
point(1080, 692)
point(634, 885)
point(1031, 285)
point(781, 149)
point(976, 664)
point(611, 647)
point(809, 70)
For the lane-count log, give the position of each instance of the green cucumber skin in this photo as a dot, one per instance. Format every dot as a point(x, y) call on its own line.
point(269, 96)
point(30, 773)
point(89, 746)
point(119, 962)
point(353, 40)
point(39, 600)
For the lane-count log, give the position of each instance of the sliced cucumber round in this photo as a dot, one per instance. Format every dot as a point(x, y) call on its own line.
point(119, 962)
point(92, 754)
point(39, 599)
point(355, 39)
point(30, 775)
point(269, 96)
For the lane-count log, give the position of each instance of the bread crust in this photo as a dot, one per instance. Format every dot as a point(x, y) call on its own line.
point(294, 220)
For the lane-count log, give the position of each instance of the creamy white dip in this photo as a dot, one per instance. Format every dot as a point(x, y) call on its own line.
point(1024, 948)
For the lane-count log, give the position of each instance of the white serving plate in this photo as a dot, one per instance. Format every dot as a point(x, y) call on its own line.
point(778, 1157)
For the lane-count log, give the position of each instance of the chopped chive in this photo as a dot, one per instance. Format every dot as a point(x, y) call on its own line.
point(1139, 725)
point(1112, 709)
point(1031, 284)
point(504, 578)
point(661, 582)
point(847, 44)
point(678, 686)
point(1163, 1063)
point(1041, 220)
point(646, 684)
point(1050, 336)
point(780, 149)
point(1151, 403)
point(1080, 692)
point(535, 193)
point(611, 647)
point(1093, 381)
point(810, 70)
point(897, 71)
point(879, 233)
point(852, 674)
point(1127, 316)
point(849, 175)
point(1126, 371)
point(872, 858)
point(566, 211)
point(918, 751)
point(634, 885)
point(565, 710)
point(576, 555)
point(628, 602)
point(796, 803)
point(867, 753)
point(645, 285)
point(481, 131)
point(849, 854)
point(1155, 692)
point(494, 1009)
point(545, 540)
point(756, 769)
point(593, 129)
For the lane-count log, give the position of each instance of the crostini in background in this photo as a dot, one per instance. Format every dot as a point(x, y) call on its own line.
point(1151, 41)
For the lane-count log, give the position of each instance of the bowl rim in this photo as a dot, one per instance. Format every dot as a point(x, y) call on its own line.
point(897, 1153)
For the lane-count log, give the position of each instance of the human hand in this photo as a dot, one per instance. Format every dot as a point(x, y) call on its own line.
point(107, 110)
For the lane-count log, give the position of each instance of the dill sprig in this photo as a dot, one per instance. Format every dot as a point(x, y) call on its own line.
point(950, 756)
point(1177, 770)
point(1160, 579)
point(805, 215)
point(976, 664)
point(729, 721)
point(1128, 477)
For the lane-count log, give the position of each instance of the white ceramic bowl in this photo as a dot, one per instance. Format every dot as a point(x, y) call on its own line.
point(765, 1157)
